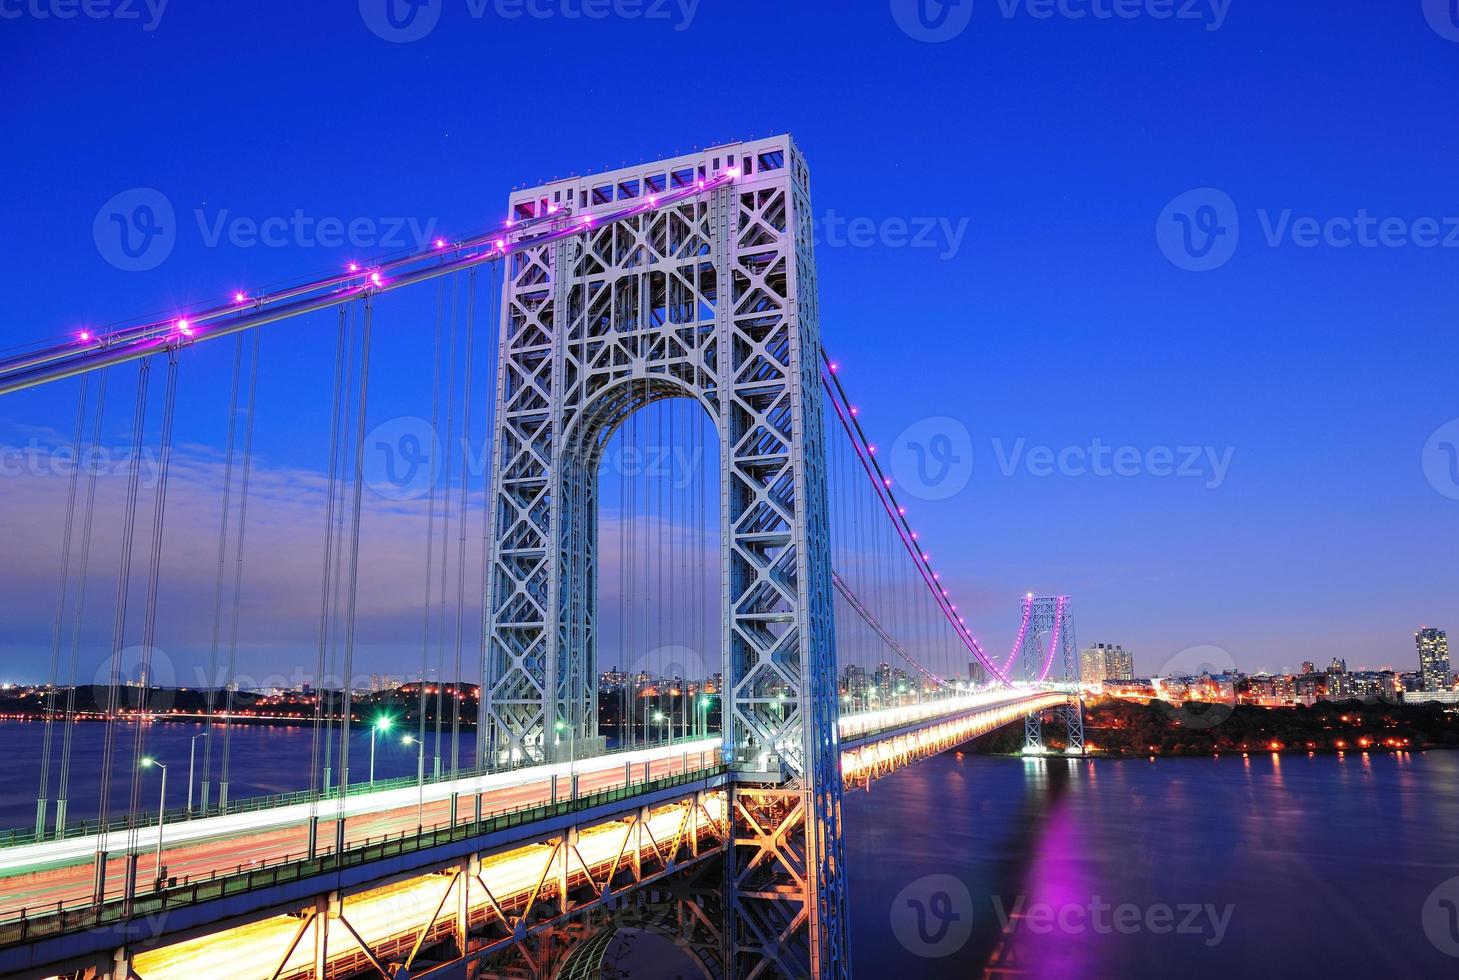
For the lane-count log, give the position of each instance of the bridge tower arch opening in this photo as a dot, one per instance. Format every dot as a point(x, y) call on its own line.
point(712, 295)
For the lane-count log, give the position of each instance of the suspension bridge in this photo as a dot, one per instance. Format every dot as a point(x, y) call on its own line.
point(784, 591)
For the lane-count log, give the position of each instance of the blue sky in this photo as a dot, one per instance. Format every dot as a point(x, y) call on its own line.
point(994, 250)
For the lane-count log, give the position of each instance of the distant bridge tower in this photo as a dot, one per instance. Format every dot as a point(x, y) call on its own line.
point(712, 298)
point(1049, 655)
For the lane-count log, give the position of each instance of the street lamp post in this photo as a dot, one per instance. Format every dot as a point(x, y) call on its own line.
point(382, 724)
point(420, 779)
point(148, 763)
point(192, 755)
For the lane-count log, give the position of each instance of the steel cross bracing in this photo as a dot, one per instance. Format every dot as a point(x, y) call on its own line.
point(712, 298)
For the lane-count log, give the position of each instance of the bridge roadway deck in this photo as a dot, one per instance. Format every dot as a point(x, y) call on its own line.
point(42, 877)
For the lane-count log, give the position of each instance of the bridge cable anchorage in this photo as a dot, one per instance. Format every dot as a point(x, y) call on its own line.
point(135, 342)
point(53, 674)
point(119, 624)
point(228, 695)
point(69, 729)
point(897, 513)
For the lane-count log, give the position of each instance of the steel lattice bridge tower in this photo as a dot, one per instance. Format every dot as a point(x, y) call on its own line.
point(1050, 619)
point(573, 368)
point(842, 654)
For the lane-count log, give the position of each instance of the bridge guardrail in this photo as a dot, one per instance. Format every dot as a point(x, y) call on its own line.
point(83, 828)
point(34, 924)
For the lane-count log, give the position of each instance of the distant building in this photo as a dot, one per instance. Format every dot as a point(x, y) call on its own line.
point(1433, 659)
point(1103, 662)
point(1339, 666)
point(1308, 667)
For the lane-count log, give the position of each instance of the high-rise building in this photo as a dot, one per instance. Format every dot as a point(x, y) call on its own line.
point(1308, 667)
point(1104, 662)
point(1339, 666)
point(1433, 659)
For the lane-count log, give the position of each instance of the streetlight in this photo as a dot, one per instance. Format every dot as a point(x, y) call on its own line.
point(660, 717)
point(704, 704)
point(147, 763)
point(192, 755)
point(382, 724)
point(420, 778)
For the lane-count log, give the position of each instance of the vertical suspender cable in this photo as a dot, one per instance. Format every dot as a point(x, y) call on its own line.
point(63, 790)
point(335, 616)
point(149, 614)
point(425, 649)
point(118, 633)
point(461, 521)
point(42, 799)
point(211, 691)
point(332, 482)
point(238, 570)
point(489, 454)
point(354, 576)
point(445, 528)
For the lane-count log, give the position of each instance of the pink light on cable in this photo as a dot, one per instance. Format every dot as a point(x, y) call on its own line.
point(375, 278)
point(732, 172)
point(240, 297)
point(85, 335)
point(184, 328)
point(440, 243)
point(354, 267)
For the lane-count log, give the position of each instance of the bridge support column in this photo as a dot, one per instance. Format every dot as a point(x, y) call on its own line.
point(469, 870)
point(121, 965)
point(326, 909)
